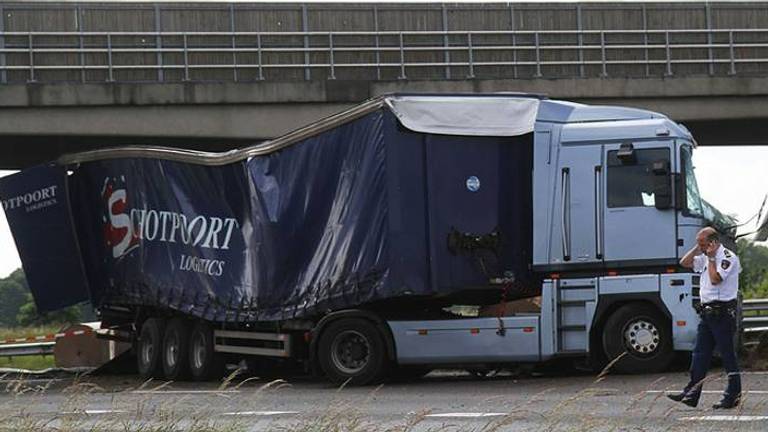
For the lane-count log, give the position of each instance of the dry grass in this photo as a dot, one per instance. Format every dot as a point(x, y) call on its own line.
point(345, 411)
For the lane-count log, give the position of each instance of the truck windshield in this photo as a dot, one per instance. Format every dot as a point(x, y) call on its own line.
point(693, 198)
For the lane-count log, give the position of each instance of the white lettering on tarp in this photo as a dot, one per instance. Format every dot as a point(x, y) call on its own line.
point(34, 200)
point(201, 231)
point(201, 265)
point(126, 228)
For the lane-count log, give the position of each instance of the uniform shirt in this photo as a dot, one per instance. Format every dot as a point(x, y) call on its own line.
point(728, 267)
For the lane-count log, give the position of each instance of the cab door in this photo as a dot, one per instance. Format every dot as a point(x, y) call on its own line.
point(576, 242)
point(639, 223)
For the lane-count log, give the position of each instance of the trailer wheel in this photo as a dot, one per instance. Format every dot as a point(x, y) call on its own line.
point(204, 363)
point(352, 350)
point(176, 349)
point(149, 348)
point(642, 335)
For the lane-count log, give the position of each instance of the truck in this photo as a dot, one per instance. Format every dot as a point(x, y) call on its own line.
point(369, 244)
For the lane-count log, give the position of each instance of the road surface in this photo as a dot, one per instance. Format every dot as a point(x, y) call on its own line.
point(442, 401)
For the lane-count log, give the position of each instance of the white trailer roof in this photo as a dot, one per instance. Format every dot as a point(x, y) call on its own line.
point(466, 115)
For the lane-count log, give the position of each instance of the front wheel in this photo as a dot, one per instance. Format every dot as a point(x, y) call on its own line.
point(352, 350)
point(641, 336)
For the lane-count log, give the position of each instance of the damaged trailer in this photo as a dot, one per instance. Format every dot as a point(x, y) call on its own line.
point(335, 244)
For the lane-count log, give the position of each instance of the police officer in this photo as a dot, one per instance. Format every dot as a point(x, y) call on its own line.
point(719, 268)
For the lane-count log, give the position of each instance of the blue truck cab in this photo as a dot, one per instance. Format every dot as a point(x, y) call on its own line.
point(615, 206)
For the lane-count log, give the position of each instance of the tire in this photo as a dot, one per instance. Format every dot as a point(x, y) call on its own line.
point(176, 350)
point(640, 331)
point(204, 363)
point(352, 350)
point(149, 348)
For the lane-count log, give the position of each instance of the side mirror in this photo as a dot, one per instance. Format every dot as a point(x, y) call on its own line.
point(662, 185)
point(626, 154)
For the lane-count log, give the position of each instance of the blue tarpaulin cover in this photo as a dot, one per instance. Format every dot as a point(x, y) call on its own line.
point(362, 212)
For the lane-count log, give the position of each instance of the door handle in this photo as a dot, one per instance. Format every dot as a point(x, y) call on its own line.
point(565, 213)
point(598, 212)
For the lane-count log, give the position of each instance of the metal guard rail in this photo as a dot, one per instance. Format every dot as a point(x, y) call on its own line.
point(536, 50)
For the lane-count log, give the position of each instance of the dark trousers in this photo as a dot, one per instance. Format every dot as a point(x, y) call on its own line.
point(715, 331)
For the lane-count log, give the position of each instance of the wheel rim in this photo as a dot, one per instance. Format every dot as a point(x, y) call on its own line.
point(198, 351)
point(172, 350)
point(350, 352)
point(642, 337)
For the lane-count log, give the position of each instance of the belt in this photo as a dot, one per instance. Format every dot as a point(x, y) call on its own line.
point(719, 303)
point(718, 308)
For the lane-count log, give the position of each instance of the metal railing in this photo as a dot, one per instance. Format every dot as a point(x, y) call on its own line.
point(243, 56)
point(27, 349)
point(756, 319)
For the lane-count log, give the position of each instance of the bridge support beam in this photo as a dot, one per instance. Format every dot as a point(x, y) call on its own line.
point(720, 110)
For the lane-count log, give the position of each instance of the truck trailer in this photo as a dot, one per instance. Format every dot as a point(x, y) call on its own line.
point(368, 244)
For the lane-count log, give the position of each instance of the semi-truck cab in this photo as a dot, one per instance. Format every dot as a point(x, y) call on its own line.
point(438, 201)
point(615, 206)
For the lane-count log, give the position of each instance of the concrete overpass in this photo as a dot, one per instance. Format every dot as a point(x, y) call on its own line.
point(40, 121)
point(213, 76)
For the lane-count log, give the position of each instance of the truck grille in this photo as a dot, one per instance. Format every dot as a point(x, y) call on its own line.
point(695, 289)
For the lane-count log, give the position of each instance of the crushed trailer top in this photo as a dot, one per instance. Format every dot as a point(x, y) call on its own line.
point(403, 196)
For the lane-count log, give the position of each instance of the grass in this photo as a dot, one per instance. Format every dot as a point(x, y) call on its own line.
point(345, 411)
point(36, 362)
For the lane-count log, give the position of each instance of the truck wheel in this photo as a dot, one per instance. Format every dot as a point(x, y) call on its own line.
point(176, 349)
point(149, 348)
point(640, 331)
point(204, 363)
point(352, 350)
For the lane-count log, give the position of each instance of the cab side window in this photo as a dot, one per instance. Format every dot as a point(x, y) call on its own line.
point(630, 182)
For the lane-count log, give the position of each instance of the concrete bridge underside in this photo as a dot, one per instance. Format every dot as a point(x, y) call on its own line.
point(38, 122)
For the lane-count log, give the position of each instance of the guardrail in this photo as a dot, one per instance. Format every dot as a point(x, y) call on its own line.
point(27, 349)
point(757, 322)
point(377, 55)
point(755, 305)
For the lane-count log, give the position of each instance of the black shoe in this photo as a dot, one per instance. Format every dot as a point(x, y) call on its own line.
point(726, 403)
point(690, 401)
point(677, 397)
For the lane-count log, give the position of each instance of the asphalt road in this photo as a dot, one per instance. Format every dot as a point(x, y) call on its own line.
point(444, 400)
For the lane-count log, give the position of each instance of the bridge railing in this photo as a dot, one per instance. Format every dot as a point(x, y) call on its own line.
point(381, 55)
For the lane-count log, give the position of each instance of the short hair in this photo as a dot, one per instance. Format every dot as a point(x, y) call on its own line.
point(712, 234)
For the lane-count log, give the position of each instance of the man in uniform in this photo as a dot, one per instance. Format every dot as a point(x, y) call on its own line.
point(719, 268)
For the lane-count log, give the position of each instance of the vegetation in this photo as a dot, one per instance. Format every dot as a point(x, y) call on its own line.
point(33, 363)
point(17, 307)
point(754, 274)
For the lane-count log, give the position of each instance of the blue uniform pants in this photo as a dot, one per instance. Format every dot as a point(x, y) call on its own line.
point(715, 331)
